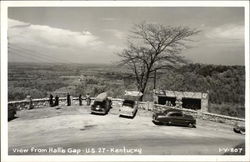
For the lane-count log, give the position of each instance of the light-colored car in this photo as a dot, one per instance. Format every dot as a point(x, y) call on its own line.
point(130, 104)
point(129, 108)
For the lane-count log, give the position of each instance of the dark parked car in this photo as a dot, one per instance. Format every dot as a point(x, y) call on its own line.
point(239, 128)
point(11, 112)
point(174, 117)
point(101, 105)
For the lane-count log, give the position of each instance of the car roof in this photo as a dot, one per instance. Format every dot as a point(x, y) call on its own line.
point(101, 97)
point(132, 95)
point(131, 98)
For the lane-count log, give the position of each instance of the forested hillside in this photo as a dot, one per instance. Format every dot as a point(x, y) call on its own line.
point(225, 84)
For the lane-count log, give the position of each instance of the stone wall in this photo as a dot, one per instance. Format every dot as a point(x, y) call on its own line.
point(42, 103)
point(147, 106)
point(203, 115)
point(26, 104)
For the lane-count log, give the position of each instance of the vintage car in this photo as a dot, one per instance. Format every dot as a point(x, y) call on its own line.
point(11, 112)
point(174, 117)
point(101, 105)
point(130, 104)
point(239, 128)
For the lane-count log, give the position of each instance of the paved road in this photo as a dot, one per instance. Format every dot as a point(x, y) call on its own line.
point(73, 130)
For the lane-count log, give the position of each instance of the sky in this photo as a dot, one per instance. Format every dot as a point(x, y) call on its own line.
point(97, 34)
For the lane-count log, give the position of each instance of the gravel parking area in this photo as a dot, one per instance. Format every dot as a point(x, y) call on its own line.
point(60, 130)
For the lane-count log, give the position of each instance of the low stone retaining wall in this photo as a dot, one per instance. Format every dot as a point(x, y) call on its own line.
point(116, 102)
point(222, 118)
point(26, 104)
point(204, 115)
point(42, 102)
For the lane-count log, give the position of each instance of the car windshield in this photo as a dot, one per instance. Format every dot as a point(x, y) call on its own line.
point(175, 114)
point(98, 103)
point(128, 103)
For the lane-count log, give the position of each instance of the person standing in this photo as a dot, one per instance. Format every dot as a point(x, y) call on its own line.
point(51, 100)
point(88, 100)
point(56, 100)
point(29, 98)
point(68, 100)
point(80, 100)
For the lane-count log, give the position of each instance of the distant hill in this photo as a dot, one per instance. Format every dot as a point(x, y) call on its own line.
point(225, 84)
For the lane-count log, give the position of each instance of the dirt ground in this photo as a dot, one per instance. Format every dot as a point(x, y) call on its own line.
point(73, 130)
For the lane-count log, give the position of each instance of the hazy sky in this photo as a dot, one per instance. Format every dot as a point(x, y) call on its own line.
point(95, 35)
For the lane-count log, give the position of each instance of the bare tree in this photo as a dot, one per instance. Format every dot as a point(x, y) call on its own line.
point(153, 47)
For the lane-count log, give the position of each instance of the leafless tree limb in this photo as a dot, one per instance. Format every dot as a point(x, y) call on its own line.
point(154, 47)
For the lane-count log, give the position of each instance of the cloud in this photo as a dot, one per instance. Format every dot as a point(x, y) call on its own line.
point(42, 43)
point(219, 45)
point(229, 32)
point(115, 48)
point(21, 32)
point(117, 33)
point(108, 19)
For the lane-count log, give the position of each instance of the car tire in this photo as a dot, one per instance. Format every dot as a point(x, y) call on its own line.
point(190, 125)
point(157, 123)
point(242, 132)
point(134, 115)
point(236, 130)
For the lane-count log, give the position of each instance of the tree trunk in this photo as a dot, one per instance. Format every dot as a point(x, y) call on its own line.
point(142, 91)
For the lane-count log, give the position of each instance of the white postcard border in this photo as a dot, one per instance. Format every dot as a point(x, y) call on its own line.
point(4, 81)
